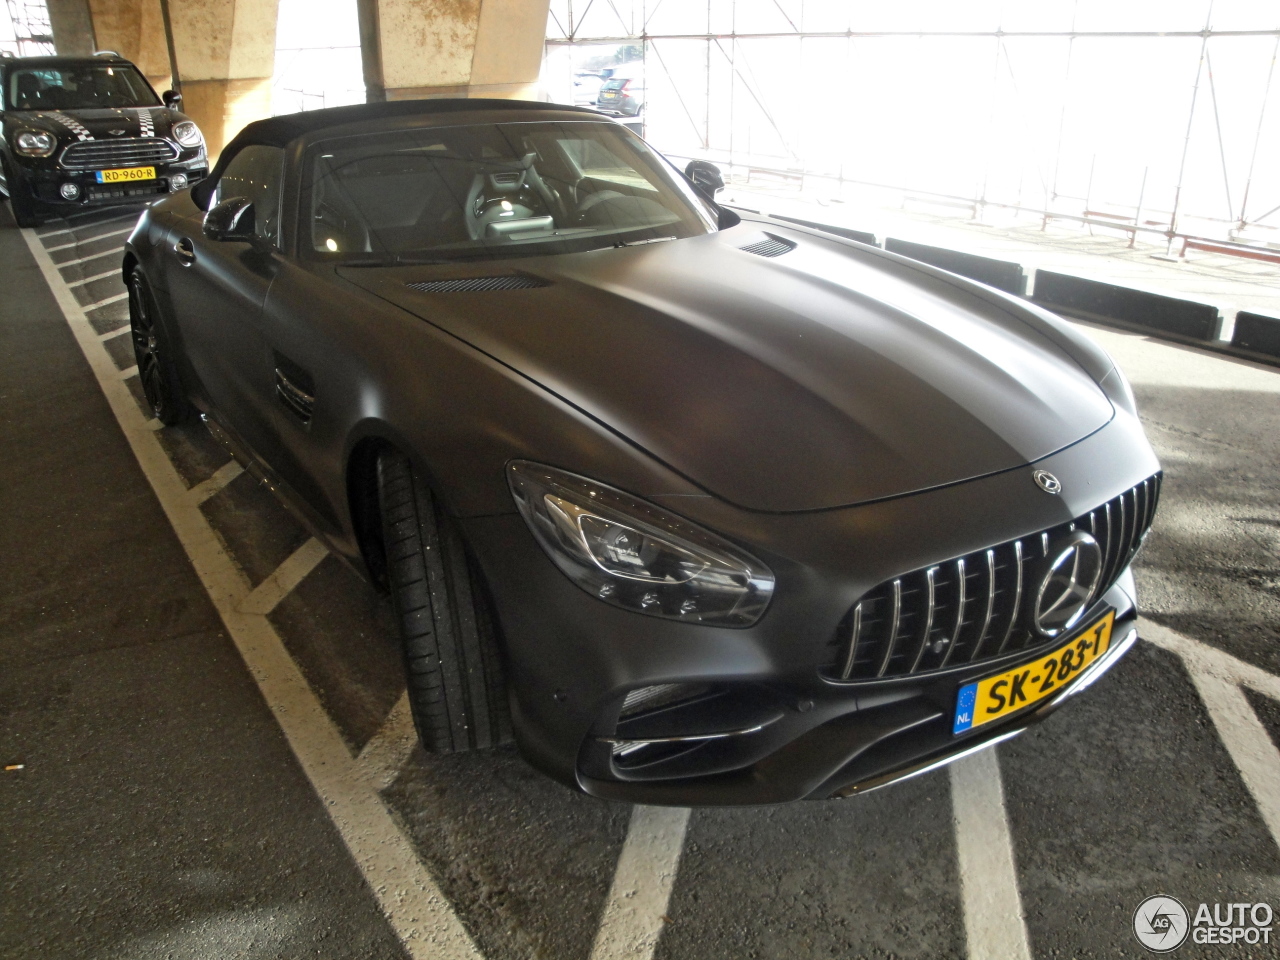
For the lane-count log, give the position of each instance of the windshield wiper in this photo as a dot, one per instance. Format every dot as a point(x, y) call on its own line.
point(636, 243)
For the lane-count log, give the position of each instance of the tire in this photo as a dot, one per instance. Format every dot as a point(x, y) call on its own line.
point(24, 208)
point(154, 354)
point(453, 669)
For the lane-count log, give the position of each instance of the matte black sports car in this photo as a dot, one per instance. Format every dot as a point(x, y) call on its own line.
point(707, 508)
point(77, 132)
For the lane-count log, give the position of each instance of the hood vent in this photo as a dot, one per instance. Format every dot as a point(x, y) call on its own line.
point(771, 246)
point(512, 281)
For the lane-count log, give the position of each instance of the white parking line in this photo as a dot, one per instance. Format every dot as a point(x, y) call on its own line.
point(115, 298)
point(1218, 676)
point(127, 373)
point(636, 909)
point(994, 924)
point(387, 751)
point(76, 243)
point(87, 226)
point(267, 595)
point(405, 891)
point(216, 482)
point(100, 276)
point(94, 256)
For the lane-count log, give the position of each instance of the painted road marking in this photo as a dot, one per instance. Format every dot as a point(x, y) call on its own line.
point(1218, 677)
point(216, 482)
point(76, 243)
point(387, 751)
point(637, 905)
point(99, 276)
point(89, 226)
point(994, 924)
point(267, 595)
point(114, 298)
point(406, 892)
point(95, 256)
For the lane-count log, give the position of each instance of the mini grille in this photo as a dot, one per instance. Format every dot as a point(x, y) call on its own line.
point(516, 281)
point(977, 607)
point(772, 247)
point(104, 154)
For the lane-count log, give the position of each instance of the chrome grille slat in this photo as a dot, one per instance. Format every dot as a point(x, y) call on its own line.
point(894, 622)
point(954, 640)
point(105, 154)
point(937, 616)
point(931, 605)
point(1016, 606)
point(854, 634)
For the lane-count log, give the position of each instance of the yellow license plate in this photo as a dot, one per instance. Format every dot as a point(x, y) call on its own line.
point(1005, 693)
point(126, 175)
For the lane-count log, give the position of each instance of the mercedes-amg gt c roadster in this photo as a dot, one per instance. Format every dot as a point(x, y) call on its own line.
point(700, 506)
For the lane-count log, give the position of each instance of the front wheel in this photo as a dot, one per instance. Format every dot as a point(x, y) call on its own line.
point(452, 665)
point(154, 354)
point(24, 208)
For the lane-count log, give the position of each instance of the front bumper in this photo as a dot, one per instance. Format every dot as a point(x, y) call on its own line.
point(792, 733)
point(42, 181)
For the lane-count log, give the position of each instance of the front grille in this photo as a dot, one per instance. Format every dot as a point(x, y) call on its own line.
point(127, 152)
point(515, 281)
point(977, 607)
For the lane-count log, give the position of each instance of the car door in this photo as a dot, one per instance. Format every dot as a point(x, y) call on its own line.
point(218, 289)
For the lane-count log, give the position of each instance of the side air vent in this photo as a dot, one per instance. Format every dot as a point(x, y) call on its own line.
point(513, 281)
point(771, 246)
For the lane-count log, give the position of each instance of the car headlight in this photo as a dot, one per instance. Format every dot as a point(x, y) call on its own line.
point(187, 134)
point(35, 143)
point(633, 555)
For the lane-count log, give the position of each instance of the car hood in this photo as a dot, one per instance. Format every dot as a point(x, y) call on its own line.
point(826, 376)
point(101, 124)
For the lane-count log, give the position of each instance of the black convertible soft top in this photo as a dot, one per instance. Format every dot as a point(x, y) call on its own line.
point(280, 131)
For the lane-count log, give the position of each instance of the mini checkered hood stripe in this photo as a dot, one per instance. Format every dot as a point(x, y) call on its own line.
point(71, 123)
point(146, 124)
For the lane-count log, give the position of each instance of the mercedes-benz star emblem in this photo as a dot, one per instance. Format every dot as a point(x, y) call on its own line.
point(1046, 481)
point(1069, 584)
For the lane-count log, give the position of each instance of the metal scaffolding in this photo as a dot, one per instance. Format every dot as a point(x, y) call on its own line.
point(1148, 117)
point(31, 31)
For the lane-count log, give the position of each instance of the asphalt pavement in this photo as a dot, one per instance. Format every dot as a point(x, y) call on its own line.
point(161, 811)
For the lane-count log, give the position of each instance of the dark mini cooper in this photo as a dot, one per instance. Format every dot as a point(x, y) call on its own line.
point(88, 131)
point(705, 507)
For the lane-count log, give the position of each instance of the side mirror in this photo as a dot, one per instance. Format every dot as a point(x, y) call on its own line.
point(172, 99)
point(231, 220)
point(705, 177)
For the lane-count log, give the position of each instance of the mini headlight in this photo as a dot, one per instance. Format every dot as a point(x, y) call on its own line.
point(633, 555)
point(187, 134)
point(35, 143)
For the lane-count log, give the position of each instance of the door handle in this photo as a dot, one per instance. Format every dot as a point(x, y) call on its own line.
point(185, 251)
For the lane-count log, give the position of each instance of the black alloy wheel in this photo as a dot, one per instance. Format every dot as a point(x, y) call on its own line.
point(453, 667)
point(156, 368)
point(24, 208)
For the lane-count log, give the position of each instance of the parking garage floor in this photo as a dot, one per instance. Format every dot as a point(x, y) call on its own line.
point(206, 753)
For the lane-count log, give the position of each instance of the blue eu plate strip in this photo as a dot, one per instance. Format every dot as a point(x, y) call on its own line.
point(964, 708)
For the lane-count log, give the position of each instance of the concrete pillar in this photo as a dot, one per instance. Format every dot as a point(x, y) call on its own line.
point(452, 48)
point(135, 30)
point(72, 27)
point(226, 52)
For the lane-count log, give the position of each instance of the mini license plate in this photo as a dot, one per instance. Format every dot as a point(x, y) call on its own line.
point(1005, 693)
point(126, 175)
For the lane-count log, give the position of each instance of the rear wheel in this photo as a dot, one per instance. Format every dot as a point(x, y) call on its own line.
point(454, 672)
point(154, 354)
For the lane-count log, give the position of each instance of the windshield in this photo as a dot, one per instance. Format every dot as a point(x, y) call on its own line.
point(493, 190)
point(80, 87)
